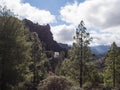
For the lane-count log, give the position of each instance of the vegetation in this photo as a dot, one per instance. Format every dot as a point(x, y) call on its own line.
point(55, 83)
point(79, 57)
point(14, 51)
point(112, 69)
point(27, 63)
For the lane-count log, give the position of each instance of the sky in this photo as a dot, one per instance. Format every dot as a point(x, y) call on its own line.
point(101, 17)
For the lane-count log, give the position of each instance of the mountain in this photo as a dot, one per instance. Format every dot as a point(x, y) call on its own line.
point(65, 46)
point(44, 35)
point(100, 49)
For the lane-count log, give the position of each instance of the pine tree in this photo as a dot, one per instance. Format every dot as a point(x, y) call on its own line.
point(79, 63)
point(82, 39)
point(39, 63)
point(112, 68)
point(14, 51)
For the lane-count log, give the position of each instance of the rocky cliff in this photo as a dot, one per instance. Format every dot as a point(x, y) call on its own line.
point(45, 35)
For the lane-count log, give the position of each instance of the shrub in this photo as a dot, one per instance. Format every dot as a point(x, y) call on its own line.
point(55, 83)
point(87, 85)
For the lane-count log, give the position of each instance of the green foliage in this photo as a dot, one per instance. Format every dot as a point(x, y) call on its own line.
point(55, 62)
point(14, 51)
point(39, 64)
point(87, 85)
point(70, 68)
point(24, 64)
point(75, 87)
point(55, 83)
point(112, 68)
point(79, 57)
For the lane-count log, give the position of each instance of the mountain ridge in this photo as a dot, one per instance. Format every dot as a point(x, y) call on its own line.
point(100, 49)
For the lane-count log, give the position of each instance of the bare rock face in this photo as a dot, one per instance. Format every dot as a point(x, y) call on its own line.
point(44, 35)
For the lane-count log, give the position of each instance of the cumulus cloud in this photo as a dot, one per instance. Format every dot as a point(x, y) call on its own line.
point(25, 10)
point(97, 13)
point(63, 33)
point(100, 15)
point(101, 18)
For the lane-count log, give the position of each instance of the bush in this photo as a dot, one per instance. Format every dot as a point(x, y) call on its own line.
point(75, 87)
point(87, 85)
point(55, 83)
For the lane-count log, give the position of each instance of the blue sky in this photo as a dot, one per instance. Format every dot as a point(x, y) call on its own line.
point(101, 17)
point(51, 5)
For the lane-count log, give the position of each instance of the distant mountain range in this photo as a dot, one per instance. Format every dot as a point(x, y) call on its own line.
point(100, 49)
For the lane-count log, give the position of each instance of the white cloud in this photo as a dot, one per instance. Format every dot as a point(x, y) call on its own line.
point(25, 10)
point(100, 15)
point(63, 33)
point(97, 13)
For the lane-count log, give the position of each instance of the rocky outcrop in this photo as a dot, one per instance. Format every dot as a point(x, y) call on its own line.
point(44, 35)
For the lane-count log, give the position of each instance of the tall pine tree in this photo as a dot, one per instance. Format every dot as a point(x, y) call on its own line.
point(82, 40)
point(39, 64)
point(112, 67)
point(79, 66)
